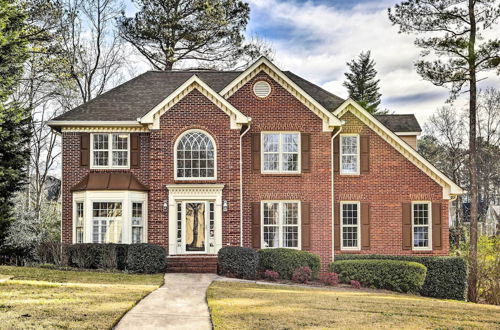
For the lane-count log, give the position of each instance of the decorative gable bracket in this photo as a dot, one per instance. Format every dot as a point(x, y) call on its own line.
point(152, 118)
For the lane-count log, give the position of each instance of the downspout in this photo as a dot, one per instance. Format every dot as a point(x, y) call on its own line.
point(333, 191)
point(241, 181)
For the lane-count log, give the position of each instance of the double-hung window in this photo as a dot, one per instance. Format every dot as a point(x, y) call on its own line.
point(79, 222)
point(137, 222)
point(350, 229)
point(349, 154)
point(281, 224)
point(107, 222)
point(281, 152)
point(421, 225)
point(110, 150)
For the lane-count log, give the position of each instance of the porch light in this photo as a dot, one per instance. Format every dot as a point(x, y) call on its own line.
point(165, 206)
point(224, 206)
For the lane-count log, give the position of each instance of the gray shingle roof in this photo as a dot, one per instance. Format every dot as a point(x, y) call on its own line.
point(136, 97)
point(400, 123)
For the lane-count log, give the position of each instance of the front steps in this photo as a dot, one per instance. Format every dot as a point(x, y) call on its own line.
point(192, 264)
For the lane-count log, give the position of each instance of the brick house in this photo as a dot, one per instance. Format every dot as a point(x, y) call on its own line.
point(198, 160)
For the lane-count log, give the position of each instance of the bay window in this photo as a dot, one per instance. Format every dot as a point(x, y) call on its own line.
point(281, 152)
point(110, 150)
point(280, 224)
point(137, 222)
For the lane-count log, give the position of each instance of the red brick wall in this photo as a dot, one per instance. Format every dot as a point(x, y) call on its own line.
point(392, 179)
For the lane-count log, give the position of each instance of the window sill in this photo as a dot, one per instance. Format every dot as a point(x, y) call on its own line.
point(281, 174)
point(350, 251)
point(427, 251)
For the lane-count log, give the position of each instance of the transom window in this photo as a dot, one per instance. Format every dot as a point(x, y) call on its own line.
point(421, 224)
point(107, 222)
point(281, 224)
point(137, 222)
point(195, 156)
point(349, 154)
point(350, 225)
point(281, 152)
point(110, 150)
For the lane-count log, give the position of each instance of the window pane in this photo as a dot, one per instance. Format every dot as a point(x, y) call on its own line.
point(291, 236)
point(420, 214)
point(107, 222)
point(349, 154)
point(271, 142)
point(290, 142)
point(421, 237)
point(100, 141)
point(349, 164)
point(100, 158)
point(290, 162)
point(271, 213)
point(350, 236)
point(120, 141)
point(271, 162)
point(120, 158)
point(350, 222)
point(195, 156)
point(271, 236)
point(136, 235)
point(290, 214)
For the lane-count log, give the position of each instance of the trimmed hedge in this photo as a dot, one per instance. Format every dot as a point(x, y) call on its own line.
point(286, 261)
point(138, 258)
point(446, 276)
point(238, 261)
point(146, 258)
point(396, 275)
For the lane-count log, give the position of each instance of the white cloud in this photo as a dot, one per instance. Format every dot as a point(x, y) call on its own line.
point(320, 39)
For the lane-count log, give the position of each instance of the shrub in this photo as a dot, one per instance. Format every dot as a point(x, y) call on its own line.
point(286, 261)
point(237, 261)
point(330, 279)
point(98, 256)
point(52, 253)
point(396, 275)
point(146, 258)
point(271, 275)
point(446, 276)
point(355, 284)
point(302, 275)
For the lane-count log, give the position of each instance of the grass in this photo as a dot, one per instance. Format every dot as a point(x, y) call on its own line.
point(236, 305)
point(47, 298)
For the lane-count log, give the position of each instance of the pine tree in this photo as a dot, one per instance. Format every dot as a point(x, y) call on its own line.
point(14, 119)
point(362, 83)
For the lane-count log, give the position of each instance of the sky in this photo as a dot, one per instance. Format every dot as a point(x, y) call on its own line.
point(316, 38)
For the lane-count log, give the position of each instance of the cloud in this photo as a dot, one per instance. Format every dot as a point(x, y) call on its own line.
point(315, 39)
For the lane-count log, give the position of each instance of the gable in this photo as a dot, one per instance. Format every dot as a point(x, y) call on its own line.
point(264, 65)
point(152, 118)
point(449, 187)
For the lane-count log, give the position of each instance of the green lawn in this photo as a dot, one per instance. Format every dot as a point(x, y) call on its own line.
point(44, 298)
point(251, 306)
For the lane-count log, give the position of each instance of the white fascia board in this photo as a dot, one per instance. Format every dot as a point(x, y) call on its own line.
point(333, 121)
point(407, 133)
point(451, 189)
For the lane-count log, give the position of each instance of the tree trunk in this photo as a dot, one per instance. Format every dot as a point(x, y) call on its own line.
point(472, 157)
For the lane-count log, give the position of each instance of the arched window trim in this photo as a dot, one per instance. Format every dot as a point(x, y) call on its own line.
point(175, 156)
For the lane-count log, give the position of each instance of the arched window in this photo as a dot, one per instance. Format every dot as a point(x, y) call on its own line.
point(195, 156)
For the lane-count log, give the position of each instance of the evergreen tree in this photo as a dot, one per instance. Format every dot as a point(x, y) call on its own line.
point(200, 31)
point(14, 119)
point(362, 83)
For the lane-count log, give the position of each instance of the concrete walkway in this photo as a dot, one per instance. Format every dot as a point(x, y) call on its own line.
point(179, 304)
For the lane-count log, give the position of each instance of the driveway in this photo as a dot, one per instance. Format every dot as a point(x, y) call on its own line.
point(179, 304)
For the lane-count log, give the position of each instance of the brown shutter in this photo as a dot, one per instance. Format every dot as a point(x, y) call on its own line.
point(336, 227)
point(305, 212)
point(436, 226)
point(256, 225)
point(134, 150)
point(84, 149)
point(365, 226)
point(365, 154)
point(305, 142)
point(336, 155)
point(407, 240)
point(256, 152)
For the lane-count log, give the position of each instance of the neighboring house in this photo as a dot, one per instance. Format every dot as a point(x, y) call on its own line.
point(198, 160)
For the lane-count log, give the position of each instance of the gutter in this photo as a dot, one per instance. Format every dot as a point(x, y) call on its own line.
point(333, 192)
point(241, 181)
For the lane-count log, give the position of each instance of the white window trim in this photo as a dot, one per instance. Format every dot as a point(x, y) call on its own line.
point(280, 152)
point(429, 226)
point(110, 152)
point(358, 246)
point(215, 157)
point(75, 218)
point(341, 154)
point(280, 224)
point(126, 197)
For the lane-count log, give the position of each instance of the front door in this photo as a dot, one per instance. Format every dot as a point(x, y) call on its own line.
point(195, 223)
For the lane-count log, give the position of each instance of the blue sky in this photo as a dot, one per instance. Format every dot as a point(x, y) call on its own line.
point(316, 38)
